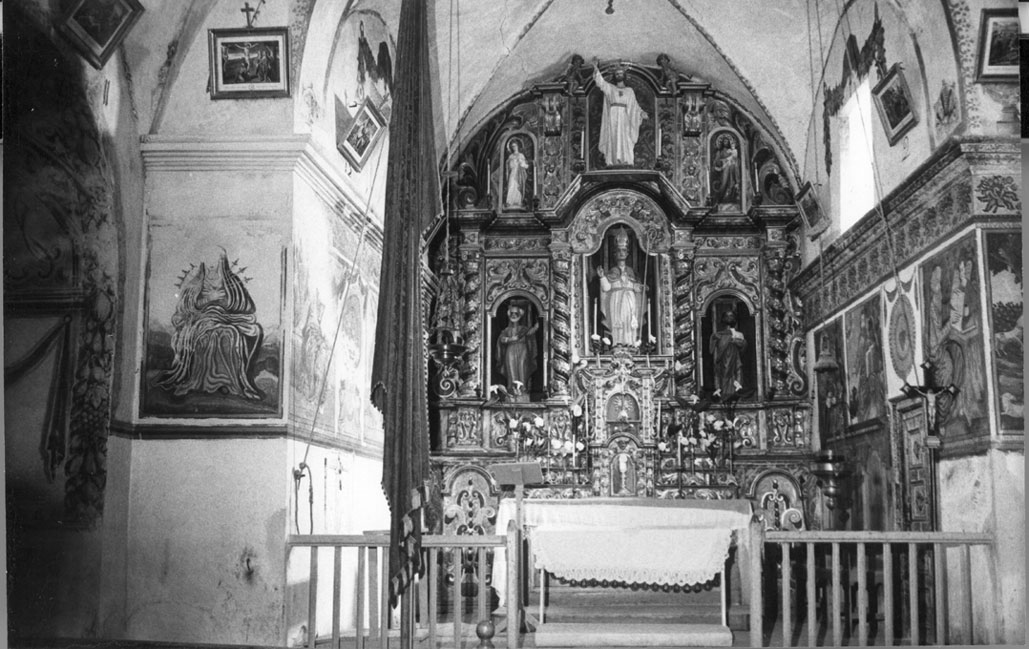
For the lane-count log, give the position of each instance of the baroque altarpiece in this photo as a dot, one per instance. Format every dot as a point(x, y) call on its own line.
point(618, 311)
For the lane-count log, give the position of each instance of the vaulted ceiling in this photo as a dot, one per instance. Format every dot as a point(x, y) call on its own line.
point(765, 54)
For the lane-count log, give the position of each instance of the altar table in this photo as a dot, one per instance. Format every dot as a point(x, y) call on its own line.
point(628, 540)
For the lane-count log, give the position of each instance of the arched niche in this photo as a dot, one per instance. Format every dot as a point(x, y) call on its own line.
point(729, 358)
point(517, 346)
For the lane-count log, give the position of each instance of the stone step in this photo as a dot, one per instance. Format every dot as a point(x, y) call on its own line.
point(606, 613)
point(632, 635)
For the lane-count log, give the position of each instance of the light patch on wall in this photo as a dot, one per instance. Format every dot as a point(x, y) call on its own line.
point(857, 173)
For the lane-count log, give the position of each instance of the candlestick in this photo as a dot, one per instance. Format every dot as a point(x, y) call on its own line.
point(582, 143)
point(489, 178)
point(595, 330)
point(659, 427)
point(659, 140)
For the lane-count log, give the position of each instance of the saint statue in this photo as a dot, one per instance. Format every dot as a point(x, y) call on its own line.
point(727, 345)
point(620, 126)
point(621, 296)
point(516, 350)
point(726, 168)
point(517, 173)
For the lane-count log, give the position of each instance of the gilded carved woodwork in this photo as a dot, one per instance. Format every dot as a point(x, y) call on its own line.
point(685, 358)
point(526, 275)
point(620, 206)
point(560, 321)
point(471, 263)
point(738, 273)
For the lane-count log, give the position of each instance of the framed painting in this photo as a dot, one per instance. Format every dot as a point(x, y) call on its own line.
point(866, 378)
point(998, 45)
point(895, 105)
point(97, 27)
point(249, 63)
point(356, 140)
point(811, 210)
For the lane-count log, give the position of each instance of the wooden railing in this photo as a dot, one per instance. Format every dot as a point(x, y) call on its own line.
point(882, 588)
point(465, 558)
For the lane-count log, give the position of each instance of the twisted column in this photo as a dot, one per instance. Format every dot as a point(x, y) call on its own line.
point(685, 347)
point(471, 265)
point(778, 324)
point(560, 321)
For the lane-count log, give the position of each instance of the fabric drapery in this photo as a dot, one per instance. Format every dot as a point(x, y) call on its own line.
point(398, 371)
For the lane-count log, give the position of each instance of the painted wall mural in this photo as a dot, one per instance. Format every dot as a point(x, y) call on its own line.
point(1004, 265)
point(213, 346)
point(314, 316)
point(865, 362)
point(953, 337)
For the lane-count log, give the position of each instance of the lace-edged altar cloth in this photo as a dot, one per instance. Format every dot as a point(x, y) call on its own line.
point(633, 541)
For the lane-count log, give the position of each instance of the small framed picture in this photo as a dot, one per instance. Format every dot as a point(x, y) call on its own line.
point(811, 211)
point(998, 45)
point(97, 27)
point(249, 63)
point(357, 140)
point(894, 103)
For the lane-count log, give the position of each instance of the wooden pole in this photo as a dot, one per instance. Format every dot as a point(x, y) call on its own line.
point(757, 544)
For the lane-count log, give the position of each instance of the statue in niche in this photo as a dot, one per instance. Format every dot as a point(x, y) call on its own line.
point(517, 175)
point(574, 73)
point(725, 170)
point(727, 345)
point(516, 350)
point(621, 296)
point(621, 118)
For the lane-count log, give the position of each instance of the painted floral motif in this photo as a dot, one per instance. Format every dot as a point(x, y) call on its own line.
point(998, 192)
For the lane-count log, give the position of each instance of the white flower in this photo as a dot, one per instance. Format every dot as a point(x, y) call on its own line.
point(575, 358)
point(719, 425)
point(493, 389)
point(580, 445)
point(710, 418)
point(595, 337)
point(577, 410)
point(555, 443)
point(662, 446)
point(606, 340)
point(526, 426)
point(568, 446)
point(637, 343)
point(512, 423)
point(518, 385)
point(538, 421)
point(653, 339)
point(693, 399)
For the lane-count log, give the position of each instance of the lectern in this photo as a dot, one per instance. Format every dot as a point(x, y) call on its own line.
point(517, 474)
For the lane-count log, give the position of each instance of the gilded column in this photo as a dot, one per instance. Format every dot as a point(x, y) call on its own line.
point(685, 346)
point(560, 321)
point(471, 268)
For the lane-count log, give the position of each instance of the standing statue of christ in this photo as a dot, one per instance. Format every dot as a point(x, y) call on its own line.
point(620, 126)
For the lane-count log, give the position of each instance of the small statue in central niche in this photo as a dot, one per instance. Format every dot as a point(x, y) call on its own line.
point(621, 296)
point(516, 350)
point(727, 345)
point(622, 116)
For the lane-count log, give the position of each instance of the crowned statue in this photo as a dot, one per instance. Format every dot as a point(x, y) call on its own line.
point(622, 116)
point(621, 295)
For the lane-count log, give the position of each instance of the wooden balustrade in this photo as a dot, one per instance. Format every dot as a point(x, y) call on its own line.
point(470, 557)
point(849, 583)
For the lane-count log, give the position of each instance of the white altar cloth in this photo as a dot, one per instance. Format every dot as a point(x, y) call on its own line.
point(644, 541)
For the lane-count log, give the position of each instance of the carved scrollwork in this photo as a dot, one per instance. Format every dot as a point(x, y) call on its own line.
point(692, 186)
point(530, 275)
point(779, 320)
point(685, 359)
point(525, 244)
point(620, 205)
point(716, 273)
point(553, 164)
point(464, 428)
point(470, 509)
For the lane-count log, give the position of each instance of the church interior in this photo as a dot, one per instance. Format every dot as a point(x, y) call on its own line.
point(689, 260)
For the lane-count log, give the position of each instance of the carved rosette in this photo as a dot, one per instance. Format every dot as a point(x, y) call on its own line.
point(520, 274)
point(560, 321)
point(471, 263)
point(685, 360)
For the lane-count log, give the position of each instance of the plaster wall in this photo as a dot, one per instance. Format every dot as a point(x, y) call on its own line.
point(206, 525)
point(986, 493)
point(189, 108)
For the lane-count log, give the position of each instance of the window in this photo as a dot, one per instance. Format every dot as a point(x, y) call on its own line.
point(857, 177)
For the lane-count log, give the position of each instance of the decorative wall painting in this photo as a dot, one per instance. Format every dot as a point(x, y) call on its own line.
point(895, 105)
point(998, 45)
point(831, 385)
point(1004, 265)
point(213, 345)
point(357, 139)
point(249, 63)
point(902, 336)
point(865, 376)
point(953, 338)
point(97, 27)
